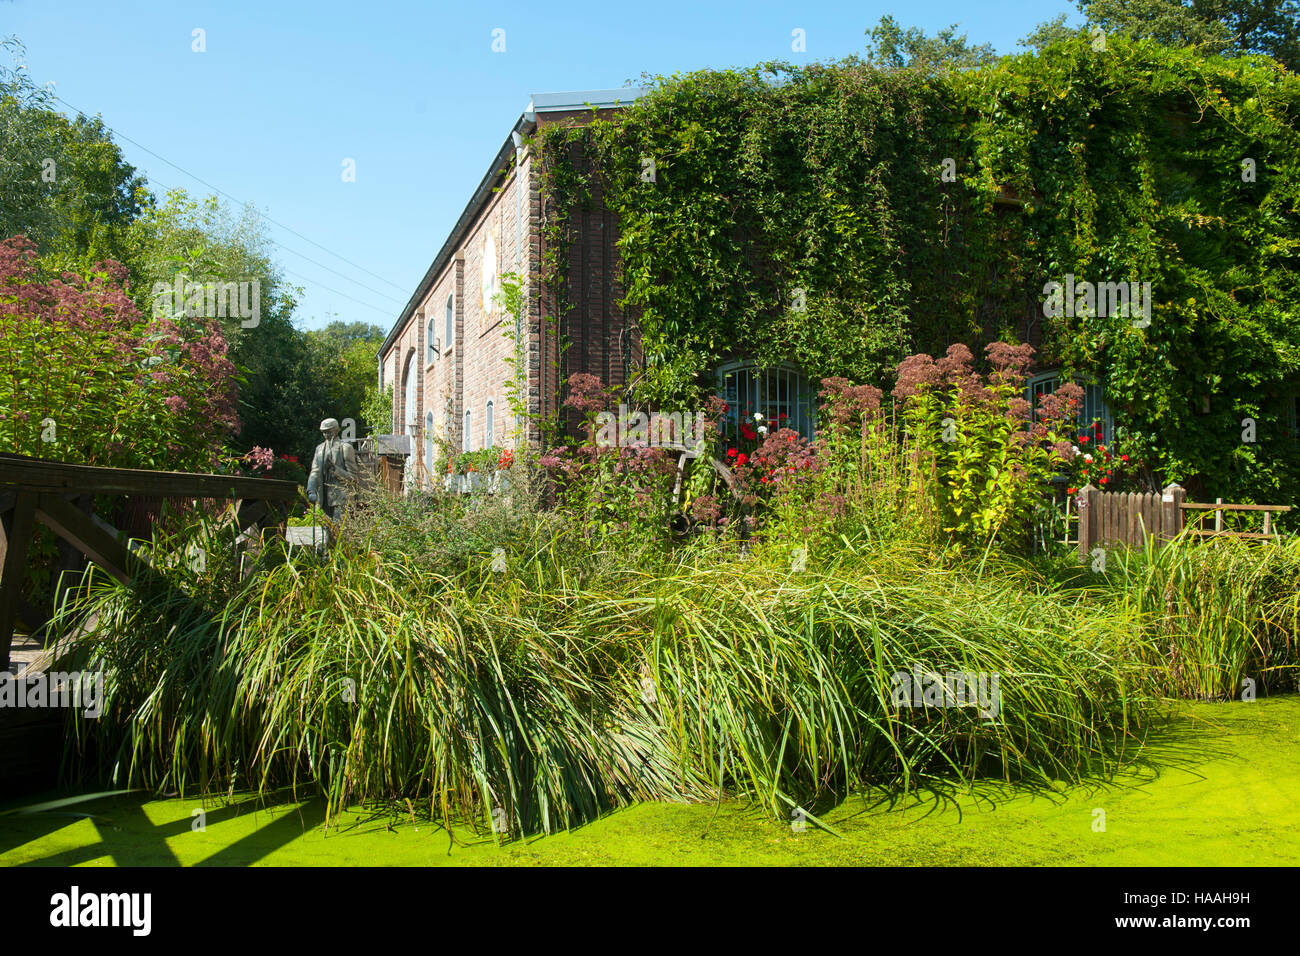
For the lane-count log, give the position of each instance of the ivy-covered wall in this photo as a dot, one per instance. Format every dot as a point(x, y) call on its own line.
point(842, 218)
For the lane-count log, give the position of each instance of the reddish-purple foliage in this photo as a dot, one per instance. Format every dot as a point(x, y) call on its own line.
point(850, 404)
point(123, 389)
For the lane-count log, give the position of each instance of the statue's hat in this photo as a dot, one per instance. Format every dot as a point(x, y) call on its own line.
point(329, 423)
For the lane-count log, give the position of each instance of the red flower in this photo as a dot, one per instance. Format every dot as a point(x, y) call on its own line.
point(748, 432)
point(507, 459)
point(1104, 480)
point(742, 459)
point(1123, 457)
point(732, 453)
point(1070, 491)
point(1083, 439)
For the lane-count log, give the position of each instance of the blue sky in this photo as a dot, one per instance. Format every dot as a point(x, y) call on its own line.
point(411, 91)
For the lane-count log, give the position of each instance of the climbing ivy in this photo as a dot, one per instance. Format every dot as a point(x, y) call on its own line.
point(842, 217)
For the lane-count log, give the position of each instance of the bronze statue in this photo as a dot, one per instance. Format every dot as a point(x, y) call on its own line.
point(333, 465)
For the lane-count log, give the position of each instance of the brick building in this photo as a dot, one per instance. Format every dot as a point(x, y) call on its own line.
point(449, 355)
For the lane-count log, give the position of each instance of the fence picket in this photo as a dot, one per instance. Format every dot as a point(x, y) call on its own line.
point(1110, 519)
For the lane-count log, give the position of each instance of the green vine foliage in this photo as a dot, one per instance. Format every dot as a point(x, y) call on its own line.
point(841, 217)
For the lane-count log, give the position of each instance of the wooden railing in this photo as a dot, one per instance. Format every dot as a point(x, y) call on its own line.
point(1219, 508)
point(1111, 519)
point(61, 496)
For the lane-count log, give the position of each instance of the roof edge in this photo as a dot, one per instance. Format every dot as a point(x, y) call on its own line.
point(540, 102)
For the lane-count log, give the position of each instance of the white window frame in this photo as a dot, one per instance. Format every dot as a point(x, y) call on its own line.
point(450, 322)
point(428, 443)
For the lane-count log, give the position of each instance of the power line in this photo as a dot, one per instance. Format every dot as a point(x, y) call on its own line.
point(316, 282)
point(267, 218)
point(337, 292)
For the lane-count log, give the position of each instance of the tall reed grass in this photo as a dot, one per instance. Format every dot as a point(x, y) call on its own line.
point(1217, 613)
point(580, 679)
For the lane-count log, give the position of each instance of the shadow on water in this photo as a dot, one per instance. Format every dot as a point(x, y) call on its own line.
point(131, 838)
point(1178, 742)
point(1183, 741)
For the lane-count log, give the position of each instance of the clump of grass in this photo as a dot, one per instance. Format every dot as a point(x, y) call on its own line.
point(580, 679)
point(1216, 612)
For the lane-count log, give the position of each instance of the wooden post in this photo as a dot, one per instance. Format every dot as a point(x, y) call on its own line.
point(1087, 494)
point(1218, 516)
point(1171, 506)
point(1268, 523)
point(17, 540)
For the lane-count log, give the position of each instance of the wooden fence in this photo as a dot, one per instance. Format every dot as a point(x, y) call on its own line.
point(61, 496)
point(1109, 519)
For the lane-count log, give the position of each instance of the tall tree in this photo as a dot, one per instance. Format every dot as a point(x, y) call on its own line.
point(1228, 27)
point(66, 185)
point(894, 48)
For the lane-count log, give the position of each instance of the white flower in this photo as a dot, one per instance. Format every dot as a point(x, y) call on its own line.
point(758, 417)
point(1087, 457)
point(762, 429)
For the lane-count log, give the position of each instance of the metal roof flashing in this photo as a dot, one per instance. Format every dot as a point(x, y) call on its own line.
point(583, 99)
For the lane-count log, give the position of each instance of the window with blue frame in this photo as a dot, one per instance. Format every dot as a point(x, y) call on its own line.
point(781, 395)
point(1094, 407)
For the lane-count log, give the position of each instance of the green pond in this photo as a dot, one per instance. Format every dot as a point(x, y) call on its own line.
point(1220, 788)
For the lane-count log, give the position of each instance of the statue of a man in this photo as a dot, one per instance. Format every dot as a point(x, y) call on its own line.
point(332, 466)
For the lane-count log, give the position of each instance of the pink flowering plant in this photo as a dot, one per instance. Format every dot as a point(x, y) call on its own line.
point(985, 456)
point(86, 378)
point(609, 488)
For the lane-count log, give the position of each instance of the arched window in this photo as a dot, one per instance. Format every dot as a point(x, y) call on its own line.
point(488, 439)
point(488, 278)
point(1095, 408)
point(449, 338)
point(410, 414)
point(428, 443)
point(464, 441)
point(781, 395)
point(431, 342)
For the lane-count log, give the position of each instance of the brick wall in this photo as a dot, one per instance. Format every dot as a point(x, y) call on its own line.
point(473, 369)
point(602, 340)
point(476, 368)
